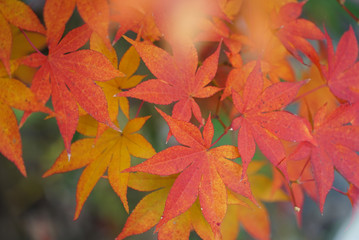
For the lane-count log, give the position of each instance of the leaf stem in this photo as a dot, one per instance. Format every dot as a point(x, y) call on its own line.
point(309, 92)
point(32, 45)
point(293, 196)
point(219, 138)
point(302, 171)
point(139, 108)
point(341, 3)
point(339, 191)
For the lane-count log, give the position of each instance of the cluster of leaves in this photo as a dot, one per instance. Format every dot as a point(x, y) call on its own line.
point(246, 75)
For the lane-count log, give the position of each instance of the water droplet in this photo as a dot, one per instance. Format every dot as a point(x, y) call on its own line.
point(161, 217)
point(115, 95)
point(297, 209)
point(231, 129)
point(201, 209)
point(68, 156)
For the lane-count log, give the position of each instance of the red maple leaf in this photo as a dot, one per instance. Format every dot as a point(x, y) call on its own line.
point(178, 78)
point(95, 13)
point(293, 32)
point(343, 70)
point(263, 121)
point(68, 76)
point(337, 144)
point(204, 172)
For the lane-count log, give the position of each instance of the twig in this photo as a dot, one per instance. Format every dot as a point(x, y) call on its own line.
point(341, 3)
point(32, 45)
point(139, 108)
point(309, 92)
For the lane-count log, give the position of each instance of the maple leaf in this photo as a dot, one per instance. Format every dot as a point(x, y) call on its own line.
point(337, 144)
point(293, 32)
point(94, 12)
point(237, 77)
point(14, 93)
point(178, 78)
point(134, 15)
point(342, 70)
point(263, 121)
point(19, 14)
point(204, 172)
point(111, 151)
point(68, 76)
point(128, 65)
point(149, 210)
point(253, 217)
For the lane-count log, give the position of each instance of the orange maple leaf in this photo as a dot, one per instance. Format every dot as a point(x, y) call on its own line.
point(111, 151)
point(20, 15)
point(204, 172)
point(14, 93)
point(128, 65)
point(149, 210)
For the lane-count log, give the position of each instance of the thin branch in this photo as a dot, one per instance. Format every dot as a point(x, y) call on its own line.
point(339, 191)
point(305, 165)
point(32, 45)
point(309, 92)
point(341, 3)
point(139, 108)
point(219, 138)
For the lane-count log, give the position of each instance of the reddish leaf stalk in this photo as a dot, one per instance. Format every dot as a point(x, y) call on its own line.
point(305, 165)
point(219, 138)
point(32, 45)
point(292, 193)
point(341, 3)
point(339, 191)
point(139, 109)
point(309, 92)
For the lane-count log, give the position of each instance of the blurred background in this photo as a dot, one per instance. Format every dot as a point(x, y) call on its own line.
point(39, 208)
